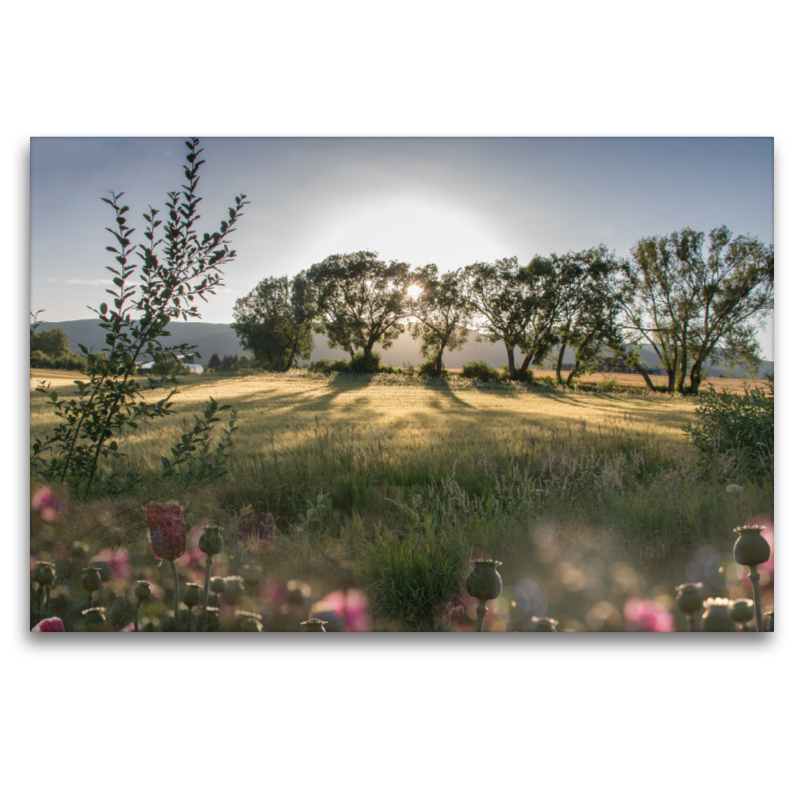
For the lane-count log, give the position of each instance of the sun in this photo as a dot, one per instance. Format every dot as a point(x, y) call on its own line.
point(414, 291)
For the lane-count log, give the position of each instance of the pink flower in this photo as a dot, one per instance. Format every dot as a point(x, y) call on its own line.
point(129, 628)
point(167, 530)
point(644, 616)
point(51, 625)
point(117, 560)
point(352, 609)
point(47, 505)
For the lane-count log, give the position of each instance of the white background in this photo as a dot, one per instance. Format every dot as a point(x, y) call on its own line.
point(628, 716)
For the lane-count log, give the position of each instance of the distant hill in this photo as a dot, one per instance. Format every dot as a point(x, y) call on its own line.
point(210, 337)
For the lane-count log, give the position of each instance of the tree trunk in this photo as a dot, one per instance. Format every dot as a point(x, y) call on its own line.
point(512, 372)
point(643, 372)
point(523, 367)
point(696, 378)
point(439, 357)
point(559, 362)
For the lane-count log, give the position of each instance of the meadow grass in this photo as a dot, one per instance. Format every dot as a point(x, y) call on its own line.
point(400, 481)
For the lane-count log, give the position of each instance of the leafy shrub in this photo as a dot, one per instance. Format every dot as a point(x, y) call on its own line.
point(737, 426)
point(428, 370)
point(366, 364)
point(546, 380)
point(480, 371)
point(326, 366)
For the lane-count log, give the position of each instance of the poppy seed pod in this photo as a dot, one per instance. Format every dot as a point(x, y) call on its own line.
point(191, 595)
point(213, 620)
point(690, 597)
point(117, 610)
point(769, 622)
point(234, 588)
point(313, 626)
point(248, 623)
point(44, 573)
point(484, 582)
point(217, 585)
point(210, 540)
point(751, 548)
point(90, 579)
point(717, 617)
point(743, 610)
point(94, 619)
point(543, 625)
point(142, 591)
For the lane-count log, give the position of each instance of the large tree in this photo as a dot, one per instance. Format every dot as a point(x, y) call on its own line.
point(695, 307)
point(275, 321)
point(590, 284)
point(53, 342)
point(515, 305)
point(361, 301)
point(439, 308)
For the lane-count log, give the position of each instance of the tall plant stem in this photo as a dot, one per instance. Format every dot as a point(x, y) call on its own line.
point(205, 593)
point(177, 593)
point(481, 615)
point(756, 580)
point(136, 616)
point(47, 601)
point(690, 622)
point(38, 605)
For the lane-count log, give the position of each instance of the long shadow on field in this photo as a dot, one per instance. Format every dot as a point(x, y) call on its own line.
point(446, 392)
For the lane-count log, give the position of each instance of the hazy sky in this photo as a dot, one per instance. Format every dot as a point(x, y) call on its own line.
point(449, 201)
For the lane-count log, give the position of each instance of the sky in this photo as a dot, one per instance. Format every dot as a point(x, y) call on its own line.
point(448, 201)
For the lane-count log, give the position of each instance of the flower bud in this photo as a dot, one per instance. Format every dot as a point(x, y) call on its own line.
point(142, 591)
point(690, 597)
point(90, 579)
point(717, 617)
point(313, 626)
point(192, 595)
point(117, 611)
point(166, 530)
point(484, 582)
point(94, 619)
point(44, 573)
point(743, 610)
point(210, 540)
point(751, 548)
point(248, 623)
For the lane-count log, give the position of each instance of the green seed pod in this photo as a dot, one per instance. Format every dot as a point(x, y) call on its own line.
point(234, 588)
point(44, 573)
point(690, 597)
point(217, 585)
point(543, 625)
point(769, 622)
point(94, 619)
point(211, 540)
point(90, 579)
point(106, 572)
point(743, 610)
point(142, 591)
point(213, 620)
point(313, 626)
point(192, 595)
point(117, 611)
point(248, 623)
point(169, 625)
point(717, 617)
point(484, 582)
point(751, 548)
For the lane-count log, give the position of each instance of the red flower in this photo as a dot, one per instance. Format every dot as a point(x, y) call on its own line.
point(51, 625)
point(167, 530)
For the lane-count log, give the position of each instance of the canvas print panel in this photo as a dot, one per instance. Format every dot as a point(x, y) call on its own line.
point(444, 385)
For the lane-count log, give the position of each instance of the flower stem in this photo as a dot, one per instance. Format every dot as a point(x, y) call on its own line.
point(205, 593)
point(38, 605)
point(47, 601)
point(481, 615)
point(177, 593)
point(756, 580)
point(136, 616)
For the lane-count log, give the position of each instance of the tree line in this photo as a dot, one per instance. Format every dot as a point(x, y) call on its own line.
point(694, 300)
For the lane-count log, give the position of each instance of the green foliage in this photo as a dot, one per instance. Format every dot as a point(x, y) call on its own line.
point(53, 342)
point(366, 364)
point(174, 272)
point(432, 369)
point(276, 320)
point(326, 366)
point(736, 432)
point(480, 371)
point(194, 460)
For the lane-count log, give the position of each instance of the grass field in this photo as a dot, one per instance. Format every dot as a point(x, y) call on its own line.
point(400, 481)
